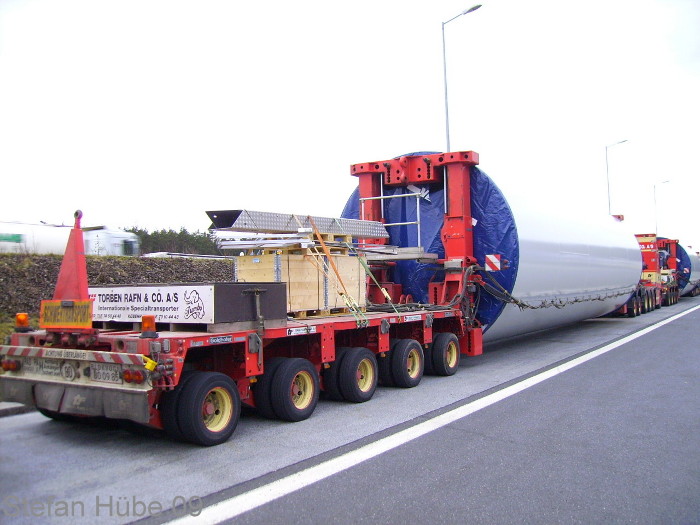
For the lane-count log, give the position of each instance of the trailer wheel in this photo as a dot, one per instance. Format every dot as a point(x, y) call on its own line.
point(168, 408)
point(631, 307)
point(357, 377)
point(295, 390)
point(209, 408)
point(444, 353)
point(407, 363)
point(263, 388)
point(330, 376)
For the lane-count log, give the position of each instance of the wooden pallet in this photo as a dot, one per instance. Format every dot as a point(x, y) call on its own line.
point(335, 249)
point(306, 314)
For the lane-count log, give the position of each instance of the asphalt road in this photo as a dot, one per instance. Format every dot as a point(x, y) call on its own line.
point(614, 439)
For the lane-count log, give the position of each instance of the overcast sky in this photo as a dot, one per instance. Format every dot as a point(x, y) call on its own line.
point(148, 113)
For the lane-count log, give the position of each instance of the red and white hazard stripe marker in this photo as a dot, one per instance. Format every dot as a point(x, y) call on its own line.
point(493, 263)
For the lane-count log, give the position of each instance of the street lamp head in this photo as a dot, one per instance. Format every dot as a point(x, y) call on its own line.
point(471, 9)
point(615, 144)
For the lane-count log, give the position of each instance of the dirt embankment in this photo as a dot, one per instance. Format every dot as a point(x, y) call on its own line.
point(27, 279)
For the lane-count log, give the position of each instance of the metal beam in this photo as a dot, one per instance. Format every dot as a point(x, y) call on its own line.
point(267, 222)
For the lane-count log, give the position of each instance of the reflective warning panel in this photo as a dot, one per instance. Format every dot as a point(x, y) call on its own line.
point(492, 262)
point(65, 314)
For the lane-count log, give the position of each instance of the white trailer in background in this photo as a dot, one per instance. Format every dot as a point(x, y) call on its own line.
point(39, 239)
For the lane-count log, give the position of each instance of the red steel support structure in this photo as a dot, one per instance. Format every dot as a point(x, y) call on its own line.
point(453, 171)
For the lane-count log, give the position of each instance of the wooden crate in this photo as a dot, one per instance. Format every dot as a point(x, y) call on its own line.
point(309, 290)
point(353, 274)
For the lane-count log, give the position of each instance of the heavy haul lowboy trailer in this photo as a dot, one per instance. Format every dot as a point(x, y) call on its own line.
point(429, 261)
point(199, 351)
point(191, 383)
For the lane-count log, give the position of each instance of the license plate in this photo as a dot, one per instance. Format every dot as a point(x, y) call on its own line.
point(106, 372)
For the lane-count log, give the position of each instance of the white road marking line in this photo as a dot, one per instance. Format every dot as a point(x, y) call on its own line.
point(237, 505)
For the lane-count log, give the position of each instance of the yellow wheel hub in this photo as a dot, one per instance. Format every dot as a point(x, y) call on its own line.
point(452, 354)
point(365, 375)
point(217, 409)
point(413, 363)
point(302, 390)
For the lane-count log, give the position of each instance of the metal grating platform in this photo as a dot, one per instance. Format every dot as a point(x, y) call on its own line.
point(267, 222)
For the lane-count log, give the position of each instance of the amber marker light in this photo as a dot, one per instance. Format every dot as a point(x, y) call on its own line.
point(148, 326)
point(22, 322)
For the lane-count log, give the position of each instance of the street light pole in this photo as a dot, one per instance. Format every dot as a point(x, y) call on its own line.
point(444, 70)
point(607, 170)
point(656, 219)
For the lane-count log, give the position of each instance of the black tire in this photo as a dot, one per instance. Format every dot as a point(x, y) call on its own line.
point(358, 375)
point(644, 301)
point(445, 354)
point(330, 376)
point(407, 363)
point(295, 390)
point(168, 408)
point(631, 308)
point(209, 408)
point(262, 390)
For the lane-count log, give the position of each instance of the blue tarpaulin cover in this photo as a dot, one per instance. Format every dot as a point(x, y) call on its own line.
point(494, 228)
point(684, 264)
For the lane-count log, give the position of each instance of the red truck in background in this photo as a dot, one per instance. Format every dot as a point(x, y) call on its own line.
point(658, 285)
